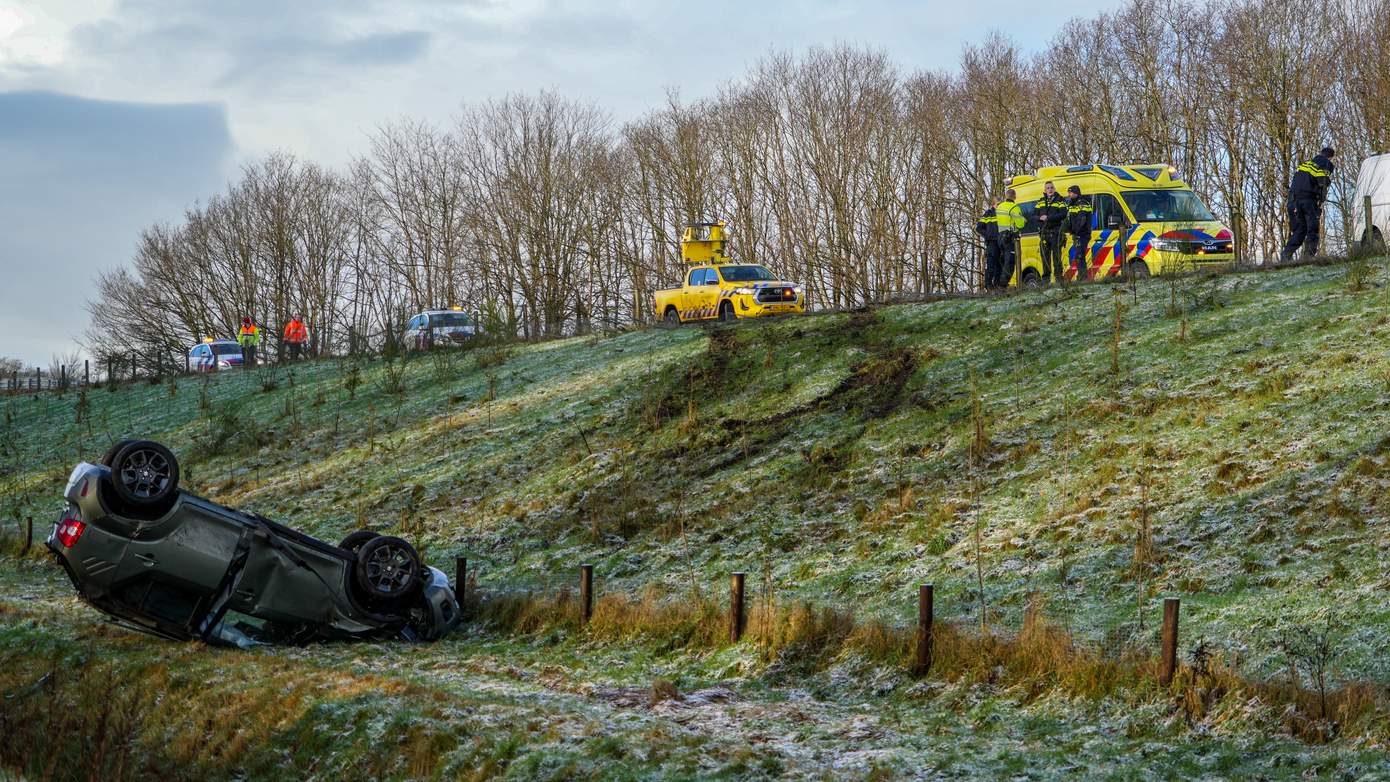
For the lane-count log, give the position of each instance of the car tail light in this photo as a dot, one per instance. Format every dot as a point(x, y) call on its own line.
point(69, 530)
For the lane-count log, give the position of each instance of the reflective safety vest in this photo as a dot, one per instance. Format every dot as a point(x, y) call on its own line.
point(249, 336)
point(1009, 216)
point(295, 331)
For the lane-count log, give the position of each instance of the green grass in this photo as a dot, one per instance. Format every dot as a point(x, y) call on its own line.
point(827, 456)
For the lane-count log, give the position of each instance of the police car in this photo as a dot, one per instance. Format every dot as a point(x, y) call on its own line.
point(439, 327)
point(214, 354)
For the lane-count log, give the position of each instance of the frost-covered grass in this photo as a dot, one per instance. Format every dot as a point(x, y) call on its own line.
point(828, 457)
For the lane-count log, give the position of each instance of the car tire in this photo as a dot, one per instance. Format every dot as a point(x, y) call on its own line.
point(1031, 279)
point(113, 450)
point(388, 568)
point(145, 477)
point(726, 312)
point(356, 539)
point(672, 318)
point(1138, 269)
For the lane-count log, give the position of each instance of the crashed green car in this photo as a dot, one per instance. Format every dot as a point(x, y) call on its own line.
point(167, 562)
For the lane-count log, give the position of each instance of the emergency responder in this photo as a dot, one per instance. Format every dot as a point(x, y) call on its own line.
point(249, 337)
point(1307, 193)
point(988, 229)
point(1051, 211)
point(1079, 212)
point(296, 334)
point(1010, 219)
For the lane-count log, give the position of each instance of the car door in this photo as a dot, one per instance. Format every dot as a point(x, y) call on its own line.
point(690, 293)
point(1110, 231)
point(709, 294)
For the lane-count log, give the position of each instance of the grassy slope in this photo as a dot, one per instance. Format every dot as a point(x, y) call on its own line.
point(828, 456)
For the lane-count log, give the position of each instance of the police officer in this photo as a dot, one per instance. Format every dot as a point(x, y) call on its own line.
point(1010, 219)
point(1051, 211)
point(988, 229)
point(1079, 211)
point(1307, 193)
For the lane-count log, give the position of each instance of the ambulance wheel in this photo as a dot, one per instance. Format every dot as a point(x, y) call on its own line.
point(1139, 270)
point(671, 318)
point(1031, 279)
point(726, 312)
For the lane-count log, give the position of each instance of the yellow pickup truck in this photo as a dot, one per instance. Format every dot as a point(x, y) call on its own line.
point(717, 287)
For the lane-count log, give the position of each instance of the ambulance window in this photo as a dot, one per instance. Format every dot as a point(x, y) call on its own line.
point(1030, 214)
point(1106, 205)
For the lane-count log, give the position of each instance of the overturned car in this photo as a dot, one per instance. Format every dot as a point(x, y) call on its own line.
point(168, 562)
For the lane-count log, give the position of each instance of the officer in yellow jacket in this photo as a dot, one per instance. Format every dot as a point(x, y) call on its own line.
point(249, 338)
point(1009, 217)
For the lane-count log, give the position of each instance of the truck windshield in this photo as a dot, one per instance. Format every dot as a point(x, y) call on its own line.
point(745, 273)
point(1161, 206)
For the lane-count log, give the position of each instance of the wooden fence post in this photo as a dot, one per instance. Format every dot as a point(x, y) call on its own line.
point(1168, 662)
point(1370, 226)
point(38, 379)
point(86, 372)
point(924, 629)
point(63, 377)
point(586, 592)
point(736, 620)
point(28, 535)
point(460, 578)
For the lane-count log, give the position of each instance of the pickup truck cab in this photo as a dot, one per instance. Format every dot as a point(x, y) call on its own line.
point(718, 288)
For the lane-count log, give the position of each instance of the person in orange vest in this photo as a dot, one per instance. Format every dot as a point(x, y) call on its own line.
point(296, 334)
point(249, 338)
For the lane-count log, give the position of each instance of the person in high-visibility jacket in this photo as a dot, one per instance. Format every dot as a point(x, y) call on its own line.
point(988, 229)
point(1051, 210)
point(1010, 219)
point(1079, 213)
point(249, 338)
point(296, 334)
point(1307, 193)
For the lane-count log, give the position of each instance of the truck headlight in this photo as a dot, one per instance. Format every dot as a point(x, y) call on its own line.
point(744, 291)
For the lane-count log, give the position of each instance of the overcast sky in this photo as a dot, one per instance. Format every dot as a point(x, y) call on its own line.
point(115, 114)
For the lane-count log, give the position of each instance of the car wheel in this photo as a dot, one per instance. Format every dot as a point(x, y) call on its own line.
point(145, 476)
point(113, 450)
point(355, 539)
point(1139, 269)
point(672, 317)
point(387, 568)
point(1031, 279)
point(726, 312)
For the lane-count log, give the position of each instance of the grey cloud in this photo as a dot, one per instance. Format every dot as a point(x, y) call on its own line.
point(260, 44)
point(82, 178)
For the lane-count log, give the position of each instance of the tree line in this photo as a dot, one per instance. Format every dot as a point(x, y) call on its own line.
point(835, 167)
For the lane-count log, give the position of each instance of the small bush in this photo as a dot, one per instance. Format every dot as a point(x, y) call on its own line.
point(393, 377)
point(352, 379)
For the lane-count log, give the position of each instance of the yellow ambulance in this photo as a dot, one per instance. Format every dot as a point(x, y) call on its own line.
point(1145, 220)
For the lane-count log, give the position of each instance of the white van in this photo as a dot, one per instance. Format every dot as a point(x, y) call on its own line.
point(1373, 181)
